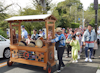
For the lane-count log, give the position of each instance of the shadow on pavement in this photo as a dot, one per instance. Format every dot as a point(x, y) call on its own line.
point(23, 68)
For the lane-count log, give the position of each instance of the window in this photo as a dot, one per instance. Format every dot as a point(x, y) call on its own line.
point(2, 39)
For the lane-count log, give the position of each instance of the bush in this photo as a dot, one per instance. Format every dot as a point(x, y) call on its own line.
point(3, 33)
point(75, 25)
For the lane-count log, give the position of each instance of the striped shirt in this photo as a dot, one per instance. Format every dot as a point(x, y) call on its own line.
point(60, 38)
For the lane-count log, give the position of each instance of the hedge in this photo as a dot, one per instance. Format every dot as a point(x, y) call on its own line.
point(75, 25)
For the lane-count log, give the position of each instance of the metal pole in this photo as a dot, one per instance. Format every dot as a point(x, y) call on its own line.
point(96, 15)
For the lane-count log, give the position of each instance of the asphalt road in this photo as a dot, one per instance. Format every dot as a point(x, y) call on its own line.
point(23, 68)
point(3, 60)
point(20, 68)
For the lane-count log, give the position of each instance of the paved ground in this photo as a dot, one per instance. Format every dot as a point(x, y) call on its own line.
point(23, 68)
point(83, 67)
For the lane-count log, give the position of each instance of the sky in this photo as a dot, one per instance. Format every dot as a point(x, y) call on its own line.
point(27, 3)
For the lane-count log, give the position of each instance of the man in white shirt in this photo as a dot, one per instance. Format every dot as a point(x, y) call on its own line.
point(40, 33)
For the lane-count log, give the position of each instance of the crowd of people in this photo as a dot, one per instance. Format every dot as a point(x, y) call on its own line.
point(30, 37)
point(74, 40)
point(71, 40)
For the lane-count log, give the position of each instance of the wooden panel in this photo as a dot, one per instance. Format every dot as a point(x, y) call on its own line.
point(50, 20)
point(19, 32)
point(43, 49)
point(54, 63)
point(46, 57)
point(54, 30)
point(15, 25)
point(46, 25)
point(47, 28)
point(50, 24)
point(30, 62)
point(51, 50)
point(16, 21)
point(11, 36)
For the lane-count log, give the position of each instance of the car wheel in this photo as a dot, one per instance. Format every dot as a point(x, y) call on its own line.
point(6, 53)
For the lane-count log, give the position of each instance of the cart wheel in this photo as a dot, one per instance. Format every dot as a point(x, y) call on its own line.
point(49, 69)
point(9, 63)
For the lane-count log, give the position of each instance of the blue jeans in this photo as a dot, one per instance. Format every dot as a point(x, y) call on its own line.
point(86, 52)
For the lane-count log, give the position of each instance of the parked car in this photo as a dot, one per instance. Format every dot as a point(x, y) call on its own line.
point(4, 47)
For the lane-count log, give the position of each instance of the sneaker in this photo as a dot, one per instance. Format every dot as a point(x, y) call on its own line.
point(58, 71)
point(90, 60)
point(62, 68)
point(86, 59)
point(78, 56)
point(76, 61)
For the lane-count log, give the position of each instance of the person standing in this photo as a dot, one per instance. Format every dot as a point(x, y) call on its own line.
point(34, 35)
point(68, 41)
point(24, 33)
point(89, 37)
point(60, 49)
point(75, 48)
point(40, 33)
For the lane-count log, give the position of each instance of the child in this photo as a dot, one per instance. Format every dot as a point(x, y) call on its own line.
point(78, 37)
point(75, 48)
point(29, 39)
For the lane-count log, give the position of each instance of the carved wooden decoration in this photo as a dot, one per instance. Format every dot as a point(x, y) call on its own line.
point(26, 55)
point(15, 53)
point(39, 57)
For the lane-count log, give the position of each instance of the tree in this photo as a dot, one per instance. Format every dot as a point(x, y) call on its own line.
point(65, 12)
point(3, 16)
point(3, 8)
point(42, 5)
point(29, 26)
point(90, 15)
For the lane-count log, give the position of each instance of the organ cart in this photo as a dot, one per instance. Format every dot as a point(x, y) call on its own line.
point(32, 55)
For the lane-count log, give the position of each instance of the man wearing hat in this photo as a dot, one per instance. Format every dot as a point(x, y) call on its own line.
point(40, 33)
point(60, 49)
point(24, 33)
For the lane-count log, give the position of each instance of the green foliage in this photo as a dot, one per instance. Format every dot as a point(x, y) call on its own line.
point(42, 6)
point(29, 26)
point(28, 11)
point(3, 16)
point(65, 12)
point(92, 22)
point(3, 33)
point(90, 15)
point(63, 22)
point(75, 25)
